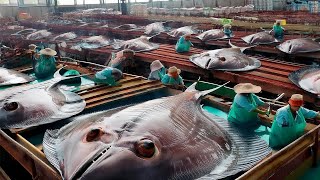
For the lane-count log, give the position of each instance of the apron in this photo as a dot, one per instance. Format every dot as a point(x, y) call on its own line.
point(183, 45)
point(282, 136)
point(241, 116)
point(44, 67)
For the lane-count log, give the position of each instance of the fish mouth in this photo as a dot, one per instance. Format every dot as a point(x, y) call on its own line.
point(86, 165)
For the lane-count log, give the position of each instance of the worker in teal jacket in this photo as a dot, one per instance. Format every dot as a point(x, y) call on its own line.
point(278, 31)
point(184, 44)
point(227, 30)
point(289, 122)
point(173, 78)
point(245, 107)
point(157, 70)
point(44, 65)
point(108, 76)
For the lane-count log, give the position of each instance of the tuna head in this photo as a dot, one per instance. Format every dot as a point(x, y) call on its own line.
point(38, 104)
point(167, 138)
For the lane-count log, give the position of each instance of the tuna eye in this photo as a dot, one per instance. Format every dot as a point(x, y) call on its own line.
point(10, 106)
point(222, 58)
point(145, 148)
point(94, 134)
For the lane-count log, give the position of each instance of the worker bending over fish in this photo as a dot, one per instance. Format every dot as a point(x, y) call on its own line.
point(173, 78)
point(245, 106)
point(289, 122)
point(157, 70)
point(122, 59)
point(278, 31)
point(108, 76)
point(227, 30)
point(44, 65)
point(184, 43)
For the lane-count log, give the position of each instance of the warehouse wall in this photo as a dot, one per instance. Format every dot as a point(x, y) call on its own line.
point(39, 11)
point(12, 11)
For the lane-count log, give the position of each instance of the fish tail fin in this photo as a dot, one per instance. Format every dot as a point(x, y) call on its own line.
point(203, 93)
point(241, 48)
point(192, 87)
point(248, 148)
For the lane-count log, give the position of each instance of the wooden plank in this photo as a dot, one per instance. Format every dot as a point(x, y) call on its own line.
point(3, 175)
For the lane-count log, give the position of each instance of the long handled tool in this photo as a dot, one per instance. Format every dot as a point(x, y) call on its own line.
point(272, 102)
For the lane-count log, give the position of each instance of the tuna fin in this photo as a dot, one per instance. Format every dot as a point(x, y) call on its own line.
point(241, 48)
point(203, 93)
point(57, 73)
point(64, 80)
point(250, 150)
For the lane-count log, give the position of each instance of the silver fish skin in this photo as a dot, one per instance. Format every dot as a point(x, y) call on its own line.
point(259, 38)
point(302, 45)
point(154, 28)
point(38, 35)
point(182, 31)
point(12, 77)
point(230, 59)
point(167, 138)
point(127, 27)
point(65, 36)
point(307, 78)
point(36, 104)
point(212, 34)
point(138, 44)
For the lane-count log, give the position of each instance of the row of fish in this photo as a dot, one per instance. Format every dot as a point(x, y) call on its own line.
point(301, 45)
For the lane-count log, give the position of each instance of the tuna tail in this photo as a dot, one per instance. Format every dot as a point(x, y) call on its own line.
point(192, 88)
point(249, 149)
point(241, 48)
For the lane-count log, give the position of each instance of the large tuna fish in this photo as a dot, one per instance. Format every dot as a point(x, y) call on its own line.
point(226, 59)
point(93, 42)
point(307, 78)
point(38, 35)
point(25, 32)
point(183, 31)
point(36, 104)
point(65, 36)
point(127, 27)
point(12, 77)
point(154, 28)
point(138, 45)
point(212, 34)
point(260, 38)
point(302, 45)
point(167, 138)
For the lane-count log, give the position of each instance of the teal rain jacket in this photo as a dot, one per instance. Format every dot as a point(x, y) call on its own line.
point(183, 45)
point(285, 129)
point(241, 111)
point(44, 67)
point(166, 79)
point(105, 77)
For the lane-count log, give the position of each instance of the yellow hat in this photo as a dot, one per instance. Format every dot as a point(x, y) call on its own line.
point(173, 70)
point(246, 88)
point(227, 26)
point(48, 51)
point(32, 46)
